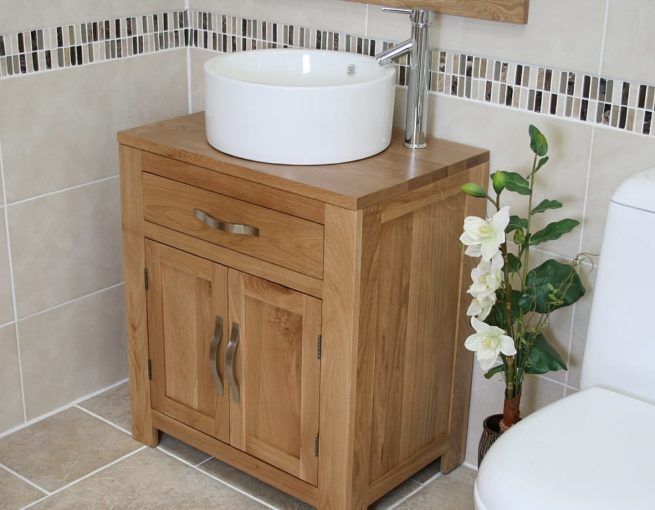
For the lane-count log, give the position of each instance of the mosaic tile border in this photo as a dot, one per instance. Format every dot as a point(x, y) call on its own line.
point(47, 49)
point(611, 103)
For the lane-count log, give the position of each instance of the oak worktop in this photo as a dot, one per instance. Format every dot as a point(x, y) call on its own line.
point(353, 185)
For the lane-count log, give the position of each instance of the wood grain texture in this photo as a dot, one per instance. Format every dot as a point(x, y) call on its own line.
point(252, 265)
point(237, 458)
point(462, 358)
point(508, 11)
point(353, 185)
point(248, 191)
point(135, 295)
point(337, 483)
point(283, 239)
point(278, 373)
point(185, 296)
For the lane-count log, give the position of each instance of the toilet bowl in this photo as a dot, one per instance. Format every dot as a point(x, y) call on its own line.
point(595, 449)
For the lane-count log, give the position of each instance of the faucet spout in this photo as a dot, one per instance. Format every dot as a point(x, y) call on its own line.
point(418, 75)
point(387, 56)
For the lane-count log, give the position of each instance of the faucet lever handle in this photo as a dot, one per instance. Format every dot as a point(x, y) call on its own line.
point(396, 10)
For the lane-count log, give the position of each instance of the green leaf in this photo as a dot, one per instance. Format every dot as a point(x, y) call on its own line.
point(470, 188)
point(498, 181)
point(516, 223)
point(516, 182)
point(543, 357)
point(544, 205)
point(494, 370)
point(550, 286)
point(538, 142)
point(541, 163)
point(498, 315)
point(553, 231)
point(513, 263)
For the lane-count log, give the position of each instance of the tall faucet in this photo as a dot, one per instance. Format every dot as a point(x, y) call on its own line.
point(420, 62)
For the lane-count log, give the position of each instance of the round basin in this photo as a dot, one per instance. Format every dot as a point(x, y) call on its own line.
point(298, 107)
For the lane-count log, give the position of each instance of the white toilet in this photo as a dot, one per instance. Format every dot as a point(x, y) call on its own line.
point(595, 450)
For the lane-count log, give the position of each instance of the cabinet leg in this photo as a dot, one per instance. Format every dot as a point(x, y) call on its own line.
point(149, 436)
point(450, 460)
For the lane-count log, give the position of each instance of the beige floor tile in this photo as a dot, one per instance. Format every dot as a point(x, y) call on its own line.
point(247, 483)
point(113, 406)
point(15, 493)
point(449, 492)
point(182, 450)
point(149, 479)
point(63, 448)
point(392, 498)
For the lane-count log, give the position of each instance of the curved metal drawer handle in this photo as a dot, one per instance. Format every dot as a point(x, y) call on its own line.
point(213, 354)
point(225, 226)
point(229, 361)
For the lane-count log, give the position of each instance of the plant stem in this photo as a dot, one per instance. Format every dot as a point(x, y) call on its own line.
point(526, 260)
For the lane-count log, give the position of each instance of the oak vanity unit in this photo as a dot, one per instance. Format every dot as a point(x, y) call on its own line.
point(303, 324)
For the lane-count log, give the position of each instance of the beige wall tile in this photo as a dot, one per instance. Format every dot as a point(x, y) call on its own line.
point(615, 157)
point(73, 350)
point(16, 493)
point(58, 129)
point(46, 13)
point(66, 245)
point(333, 15)
point(149, 479)
point(386, 26)
point(629, 43)
point(505, 133)
point(580, 327)
point(63, 448)
point(6, 304)
point(11, 407)
point(559, 33)
point(198, 57)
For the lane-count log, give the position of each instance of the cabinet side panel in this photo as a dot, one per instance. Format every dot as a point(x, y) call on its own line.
point(418, 307)
point(135, 294)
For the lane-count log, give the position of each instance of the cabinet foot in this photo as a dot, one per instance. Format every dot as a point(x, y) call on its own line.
point(149, 437)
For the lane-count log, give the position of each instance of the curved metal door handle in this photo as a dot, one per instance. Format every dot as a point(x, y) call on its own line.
point(213, 354)
point(225, 226)
point(229, 361)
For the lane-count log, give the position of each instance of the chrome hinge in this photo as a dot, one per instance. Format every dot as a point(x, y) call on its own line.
point(149, 369)
point(316, 445)
point(145, 278)
point(319, 346)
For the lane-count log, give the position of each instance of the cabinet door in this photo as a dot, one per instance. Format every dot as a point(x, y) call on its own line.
point(187, 328)
point(275, 389)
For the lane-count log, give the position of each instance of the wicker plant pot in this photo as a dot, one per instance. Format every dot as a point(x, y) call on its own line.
point(490, 432)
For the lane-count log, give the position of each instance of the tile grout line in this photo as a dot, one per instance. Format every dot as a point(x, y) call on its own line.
point(88, 475)
point(98, 417)
point(24, 479)
point(70, 301)
point(61, 409)
point(7, 324)
point(237, 489)
point(12, 283)
point(58, 191)
point(407, 496)
point(204, 461)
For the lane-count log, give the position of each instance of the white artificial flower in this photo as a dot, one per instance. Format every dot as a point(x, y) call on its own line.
point(481, 305)
point(484, 237)
point(488, 342)
point(487, 276)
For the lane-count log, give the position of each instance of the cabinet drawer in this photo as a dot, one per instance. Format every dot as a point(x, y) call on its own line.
point(241, 226)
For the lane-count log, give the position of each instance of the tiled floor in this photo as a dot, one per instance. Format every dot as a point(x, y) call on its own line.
point(84, 458)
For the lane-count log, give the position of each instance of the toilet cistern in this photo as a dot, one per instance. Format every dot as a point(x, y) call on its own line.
point(420, 63)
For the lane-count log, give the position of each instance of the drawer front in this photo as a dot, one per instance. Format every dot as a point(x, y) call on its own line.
point(269, 235)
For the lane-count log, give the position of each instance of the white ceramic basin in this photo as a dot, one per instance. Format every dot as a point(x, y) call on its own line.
point(299, 107)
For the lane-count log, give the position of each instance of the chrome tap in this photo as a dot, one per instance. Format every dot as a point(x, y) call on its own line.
point(418, 86)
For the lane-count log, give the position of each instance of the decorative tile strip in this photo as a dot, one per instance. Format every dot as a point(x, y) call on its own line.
point(582, 97)
point(59, 47)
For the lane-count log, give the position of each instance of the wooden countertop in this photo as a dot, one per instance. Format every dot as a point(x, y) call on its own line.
point(353, 185)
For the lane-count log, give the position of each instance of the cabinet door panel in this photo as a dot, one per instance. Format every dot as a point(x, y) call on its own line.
point(185, 297)
point(277, 370)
